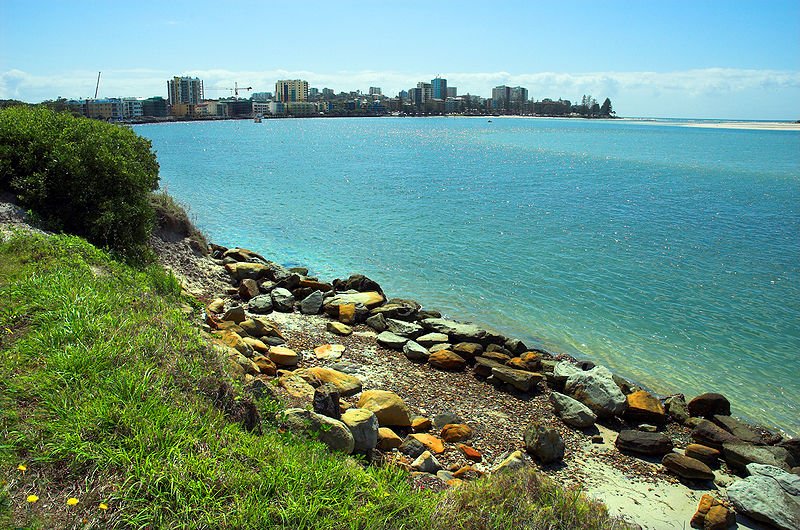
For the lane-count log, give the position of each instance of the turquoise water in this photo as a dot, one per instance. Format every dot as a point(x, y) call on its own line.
point(669, 254)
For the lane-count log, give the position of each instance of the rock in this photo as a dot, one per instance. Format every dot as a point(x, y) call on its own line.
point(562, 371)
point(265, 365)
point(426, 463)
point(357, 282)
point(440, 347)
point(596, 389)
point(496, 356)
point(260, 304)
point(468, 350)
point(329, 351)
point(545, 443)
point(738, 454)
point(404, 329)
point(326, 402)
point(366, 299)
point(296, 387)
point(739, 429)
point(243, 254)
point(273, 341)
point(363, 424)
point(289, 282)
point(598, 439)
point(243, 271)
point(432, 339)
point(282, 300)
point(347, 313)
point(421, 424)
point(470, 453)
point(411, 447)
point(283, 356)
point(415, 352)
point(260, 327)
point(793, 446)
point(687, 467)
point(387, 339)
point(483, 366)
point(519, 379)
point(433, 443)
point(624, 385)
point(234, 314)
point(788, 481)
point(217, 305)
point(311, 304)
point(387, 406)
point(456, 432)
point(256, 344)
point(511, 462)
point(763, 499)
point(707, 455)
point(571, 411)
point(377, 322)
point(246, 365)
point(388, 439)
point(445, 418)
point(516, 346)
point(708, 405)
point(447, 360)
point(345, 384)
point(337, 328)
point(444, 475)
point(711, 514)
point(398, 308)
point(706, 433)
point(455, 330)
point(646, 427)
point(643, 406)
point(233, 340)
point(677, 409)
point(329, 431)
point(646, 443)
point(248, 289)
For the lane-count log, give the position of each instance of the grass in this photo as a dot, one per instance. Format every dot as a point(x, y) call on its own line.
point(109, 394)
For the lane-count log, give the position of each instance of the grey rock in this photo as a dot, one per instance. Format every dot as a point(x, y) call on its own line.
point(412, 447)
point(706, 433)
point(311, 304)
point(282, 300)
point(519, 379)
point(426, 463)
point(788, 481)
point(377, 322)
point(329, 431)
point(498, 349)
point(563, 370)
point(763, 499)
point(445, 418)
point(415, 352)
point(739, 429)
point(457, 331)
point(273, 341)
point(509, 462)
point(431, 339)
point(440, 347)
point(545, 443)
point(793, 446)
point(363, 424)
point(646, 443)
point(483, 366)
point(572, 411)
point(516, 346)
point(326, 402)
point(738, 454)
point(444, 475)
point(676, 408)
point(234, 314)
point(392, 341)
point(597, 390)
point(260, 304)
point(687, 467)
point(404, 329)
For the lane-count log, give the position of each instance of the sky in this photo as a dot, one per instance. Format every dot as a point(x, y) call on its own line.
point(723, 59)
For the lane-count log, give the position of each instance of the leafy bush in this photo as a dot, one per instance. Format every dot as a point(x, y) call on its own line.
point(80, 176)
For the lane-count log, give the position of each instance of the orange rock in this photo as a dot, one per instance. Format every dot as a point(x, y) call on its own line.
point(456, 432)
point(455, 482)
point(447, 360)
point(706, 501)
point(388, 439)
point(317, 286)
point(266, 366)
point(470, 452)
point(434, 444)
point(644, 406)
point(518, 364)
point(420, 424)
point(719, 518)
point(347, 313)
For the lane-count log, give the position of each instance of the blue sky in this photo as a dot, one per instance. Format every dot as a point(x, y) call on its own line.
point(715, 59)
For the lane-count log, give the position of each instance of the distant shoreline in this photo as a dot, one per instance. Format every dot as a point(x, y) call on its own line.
point(740, 125)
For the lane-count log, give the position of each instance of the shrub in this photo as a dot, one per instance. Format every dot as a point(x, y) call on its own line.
point(80, 176)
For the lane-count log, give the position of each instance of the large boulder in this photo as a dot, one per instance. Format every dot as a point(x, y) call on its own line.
point(708, 405)
point(260, 304)
point(739, 429)
point(510, 462)
point(311, 304)
point(357, 282)
point(388, 439)
point(447, 360)
point(457, 331)
point(387, 406)
point(645, 443)
point(432, 339)
point(283, 356)
point(367, 299)
point(398, 308)
point(363, 424)
point(403, 328)
point(597, 390)
point(738, 454)
point(562, 371)
point(242, 271)
point(707, 455)
point(415, 352)
point(677, 409)
point(545, 443)
point(572, 412)
point(763, 497)
point(711, 514)
point(329, 431)
point(521, 380)
point(260, 327)
point(687, 467)
point(456, 432)
point(706, 433)
point(282, 300)
point(345, 384)
point(468, 350)
point(483, 366)
point(645, 407)
point(387, 339)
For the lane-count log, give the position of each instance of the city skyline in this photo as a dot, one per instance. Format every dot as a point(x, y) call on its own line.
point(680, 59)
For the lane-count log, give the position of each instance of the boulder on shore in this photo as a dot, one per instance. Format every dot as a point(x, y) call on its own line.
point(571, 411)
point(739, 454)
point(545, 443)
point(645, 407)
point(708, 405)
point(687, 467)
point(597, 390)
point(520, 379)
point(764, 498)
point(363, 425)
point(329, 431)
point(646, 443)
point(708, 434)
point(447, 360)
point(387, 406)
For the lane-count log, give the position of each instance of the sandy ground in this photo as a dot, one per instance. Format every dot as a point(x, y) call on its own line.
point(741, 125)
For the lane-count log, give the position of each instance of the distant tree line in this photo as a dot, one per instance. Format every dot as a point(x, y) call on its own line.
point(588, 108)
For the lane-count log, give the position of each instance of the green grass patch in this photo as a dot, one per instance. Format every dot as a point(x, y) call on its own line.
point(107, 395)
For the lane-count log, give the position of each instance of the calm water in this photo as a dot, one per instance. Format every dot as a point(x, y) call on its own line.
point(670, 254)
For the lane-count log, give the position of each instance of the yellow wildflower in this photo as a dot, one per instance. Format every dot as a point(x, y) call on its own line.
point(103, 506)
point(32, 498)
point(72, 501)
point(22, 467)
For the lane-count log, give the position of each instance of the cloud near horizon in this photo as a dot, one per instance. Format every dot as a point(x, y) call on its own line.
point(628, 90)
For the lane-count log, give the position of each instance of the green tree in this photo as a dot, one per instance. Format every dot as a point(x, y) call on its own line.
point(605, 109)
point(80, 176)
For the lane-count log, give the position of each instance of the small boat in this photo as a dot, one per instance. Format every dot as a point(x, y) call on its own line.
point(257, 119)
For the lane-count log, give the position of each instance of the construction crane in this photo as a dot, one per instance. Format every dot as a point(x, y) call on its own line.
point(235, 90)
point(97, 86)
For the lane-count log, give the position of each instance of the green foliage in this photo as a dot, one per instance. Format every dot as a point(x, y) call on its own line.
point(80, 176)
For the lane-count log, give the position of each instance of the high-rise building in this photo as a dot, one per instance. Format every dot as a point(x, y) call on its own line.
point(288, 90)
point(328, 93)
point(439, 87)
point(427, 91)
point(452, 92)
point(501, 95)
point(518, 94)
point(188, 90)
point(261, 97)
point(374, 91)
